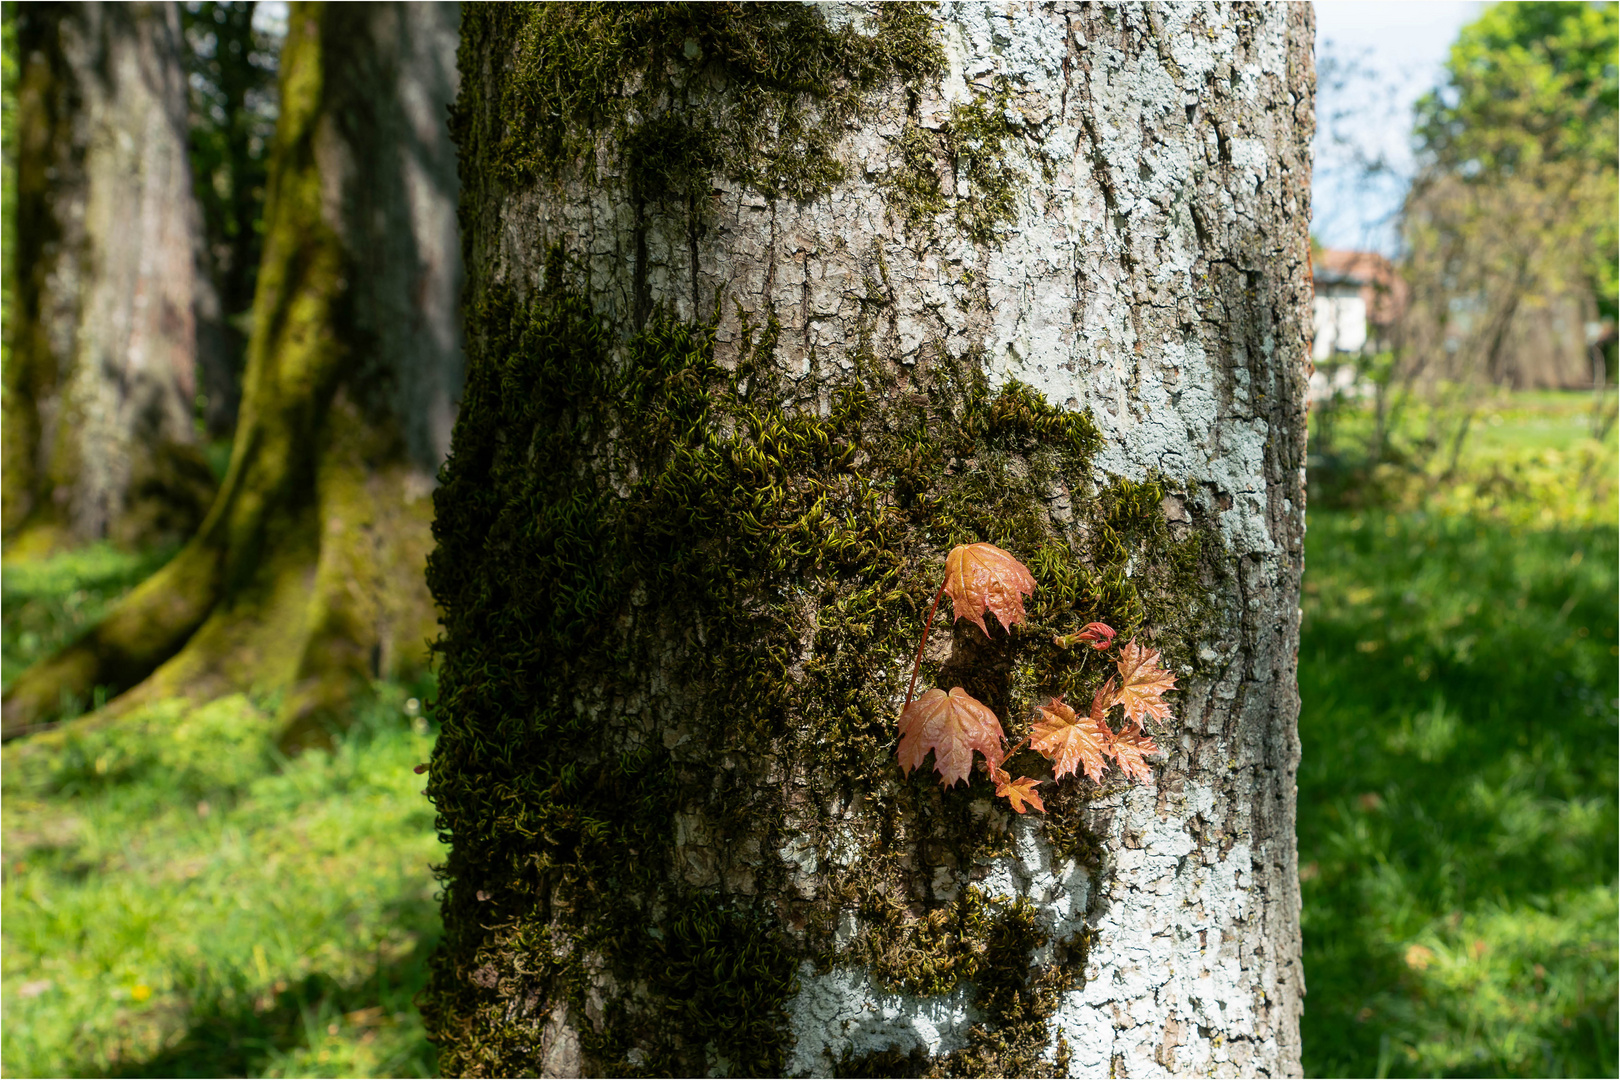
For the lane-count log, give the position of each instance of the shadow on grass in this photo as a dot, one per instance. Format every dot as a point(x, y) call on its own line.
point(313, 1025)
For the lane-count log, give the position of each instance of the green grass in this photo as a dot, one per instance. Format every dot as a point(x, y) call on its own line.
point(1457, 795)
point(46, 602)
point(181, 901)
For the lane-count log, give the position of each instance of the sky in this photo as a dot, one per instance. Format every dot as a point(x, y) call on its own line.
point(1374, 59)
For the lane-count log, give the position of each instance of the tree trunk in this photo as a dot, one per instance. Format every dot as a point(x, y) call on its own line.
point(99, 387)
point(768, 307)
point(306, 575)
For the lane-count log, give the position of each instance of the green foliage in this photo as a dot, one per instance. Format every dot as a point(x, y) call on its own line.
point(1457, 796)
point(615, 509)
point(1528, 458)
point(1527, 82)
point(180, 901)
point(633, 72)
point(1532, 94)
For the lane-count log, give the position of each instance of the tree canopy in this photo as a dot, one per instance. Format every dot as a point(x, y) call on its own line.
point(1531, 87)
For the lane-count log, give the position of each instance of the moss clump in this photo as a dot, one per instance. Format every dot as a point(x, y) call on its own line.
point(758, 93)
point(975, 142)
point(679, 613)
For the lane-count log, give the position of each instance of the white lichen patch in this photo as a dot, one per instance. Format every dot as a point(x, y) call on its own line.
point(843, 1013)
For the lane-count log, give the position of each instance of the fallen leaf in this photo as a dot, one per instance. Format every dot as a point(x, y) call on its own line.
point(1141, 682)
point(1128, 748)
point(952, 726)
point(1019, 792)
point(982, 577)
point(1072, 743)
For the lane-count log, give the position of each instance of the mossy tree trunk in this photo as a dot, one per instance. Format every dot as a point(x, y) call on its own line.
point(100, 382)
point(307, 574)
point(769, 307)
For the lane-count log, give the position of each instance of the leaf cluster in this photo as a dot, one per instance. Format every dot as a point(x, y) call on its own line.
point(983, 579)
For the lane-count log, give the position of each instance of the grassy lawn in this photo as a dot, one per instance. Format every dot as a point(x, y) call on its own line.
point(1457, 797)
point(180, 901)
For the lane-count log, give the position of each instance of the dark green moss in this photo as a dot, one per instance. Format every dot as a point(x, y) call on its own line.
point(912, 186)
point(758, 93)
point(617, 517)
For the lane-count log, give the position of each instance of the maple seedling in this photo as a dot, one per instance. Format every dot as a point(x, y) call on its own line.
point(983, 579)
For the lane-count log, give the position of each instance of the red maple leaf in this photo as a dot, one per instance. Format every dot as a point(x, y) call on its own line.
point(1099, 635)
point(1018, 792)
point(1141, 682)
point(1071, 743)
point(952, 726)
point(982, 577)
point(1128, 747)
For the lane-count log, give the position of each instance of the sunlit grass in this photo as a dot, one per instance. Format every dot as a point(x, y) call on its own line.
point(1457, 795)
point(47, 602)
point(180, 900)
point(1545, 458)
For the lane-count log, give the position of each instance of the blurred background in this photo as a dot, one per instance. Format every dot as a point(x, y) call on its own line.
point(199, 882)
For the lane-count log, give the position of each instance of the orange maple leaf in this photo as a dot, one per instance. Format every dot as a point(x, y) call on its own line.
point(952, 726)
point(1071, 743)
point(1128, 747)
point(1141, 682)
point(982, 577)
point(1018, 792)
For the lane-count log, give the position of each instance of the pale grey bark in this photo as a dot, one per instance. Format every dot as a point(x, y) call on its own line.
point(105, 336)
point(1157, 274)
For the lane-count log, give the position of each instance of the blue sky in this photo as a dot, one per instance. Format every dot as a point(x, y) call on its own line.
point(1374, 59)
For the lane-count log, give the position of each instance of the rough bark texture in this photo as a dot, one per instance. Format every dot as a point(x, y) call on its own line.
point(99, 388)
point(306, 575)
point(732, 394)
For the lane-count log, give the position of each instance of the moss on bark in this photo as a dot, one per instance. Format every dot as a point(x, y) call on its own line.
point(678, 621)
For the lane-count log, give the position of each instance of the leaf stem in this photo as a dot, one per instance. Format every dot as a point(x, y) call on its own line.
point(927, 624)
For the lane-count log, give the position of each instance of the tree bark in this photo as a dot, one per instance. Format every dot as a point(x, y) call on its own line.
point(99, 388)
point(306, 575)
point(769, 307)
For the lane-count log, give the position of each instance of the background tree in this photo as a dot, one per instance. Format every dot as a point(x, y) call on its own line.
point(305, 577)
point(101, 373)
point(1510, 223)
point(769, 308)
point(232, 68)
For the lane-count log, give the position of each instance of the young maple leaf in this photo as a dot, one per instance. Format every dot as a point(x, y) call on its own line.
point(1018, 792)
point(952, 726)
point(1128, 747)
point(1070, 742)
point(1096, 634)
point(982, 577)
point(1141, 682)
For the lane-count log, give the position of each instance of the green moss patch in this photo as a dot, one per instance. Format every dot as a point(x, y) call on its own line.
point(777, 85)
point(678, 612)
